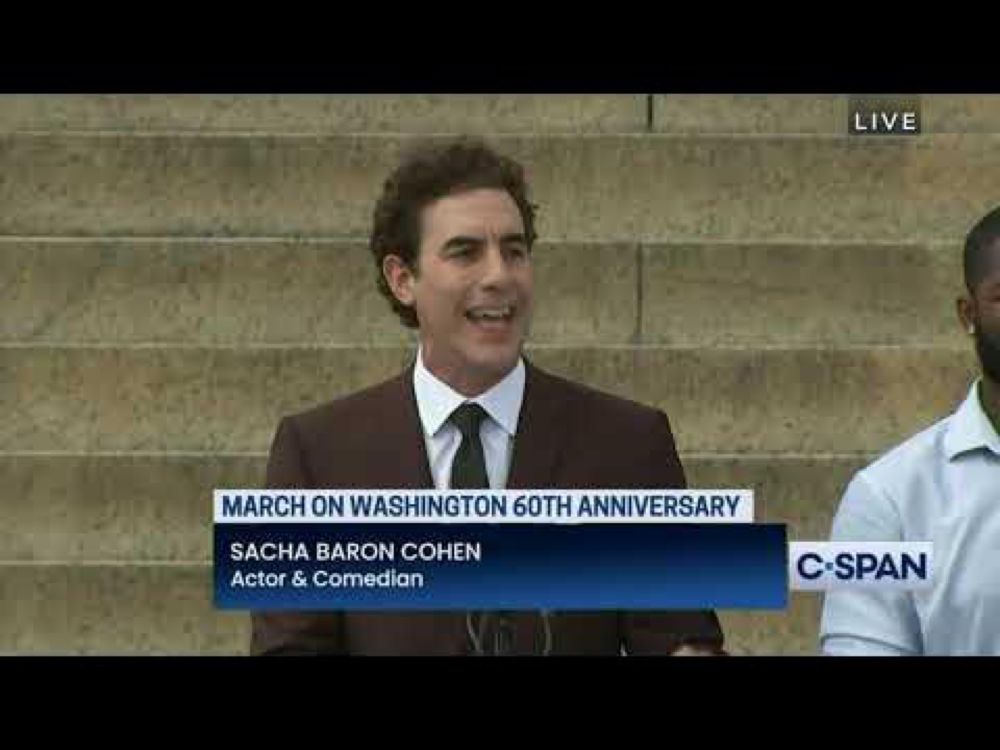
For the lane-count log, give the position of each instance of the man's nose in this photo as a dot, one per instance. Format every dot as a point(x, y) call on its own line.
point(496, 266)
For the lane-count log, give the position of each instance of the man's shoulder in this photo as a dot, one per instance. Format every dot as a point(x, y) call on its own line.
point(591, 404)
point(900, 465)
point(369, 406)
point(387, 402)
point(899, 494)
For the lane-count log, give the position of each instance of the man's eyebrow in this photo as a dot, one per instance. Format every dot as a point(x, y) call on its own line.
point(462, 239)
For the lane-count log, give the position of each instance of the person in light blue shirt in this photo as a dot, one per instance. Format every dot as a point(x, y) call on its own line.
point(943, 486)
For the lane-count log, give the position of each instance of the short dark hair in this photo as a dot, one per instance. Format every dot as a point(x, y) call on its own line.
point(433, 170)
point(979, 249)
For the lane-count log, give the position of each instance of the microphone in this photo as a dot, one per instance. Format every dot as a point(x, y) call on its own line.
point(503, 634)
point(478, 625)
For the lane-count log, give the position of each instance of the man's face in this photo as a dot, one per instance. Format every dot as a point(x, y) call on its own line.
point(987, 325)
point(981, 313)
point(472, 288)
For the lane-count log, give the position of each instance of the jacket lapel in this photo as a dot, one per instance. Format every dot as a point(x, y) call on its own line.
point(537, 445)
point(402, 456)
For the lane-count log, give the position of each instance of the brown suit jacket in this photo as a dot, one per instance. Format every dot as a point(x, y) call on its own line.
point(568, 437)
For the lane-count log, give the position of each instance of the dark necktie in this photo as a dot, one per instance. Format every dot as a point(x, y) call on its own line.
point(468, 471)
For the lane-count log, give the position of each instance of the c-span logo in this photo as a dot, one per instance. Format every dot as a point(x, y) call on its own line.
point(818, 566)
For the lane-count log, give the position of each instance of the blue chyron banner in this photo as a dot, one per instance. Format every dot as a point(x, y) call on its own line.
point(435, 566)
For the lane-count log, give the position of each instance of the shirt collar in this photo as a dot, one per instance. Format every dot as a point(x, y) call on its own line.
point(970, 429)
point(436, 400)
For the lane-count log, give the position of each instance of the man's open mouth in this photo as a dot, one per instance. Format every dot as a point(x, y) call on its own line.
point(499, 314)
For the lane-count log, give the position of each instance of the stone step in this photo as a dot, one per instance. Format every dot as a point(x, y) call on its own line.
point(218, 292)
point(812, 114)
point(115, 609)
point(130, 609)
point(750, 113)
point(230, 399)
point(266, 292)
point(741, 294)
point(960, 113)
point(498, 113)
point(659, 187)
point(790, 632)
point(148, 507)
point(325, 113)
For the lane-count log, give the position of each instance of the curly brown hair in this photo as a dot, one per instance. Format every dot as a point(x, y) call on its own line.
point(433, 170)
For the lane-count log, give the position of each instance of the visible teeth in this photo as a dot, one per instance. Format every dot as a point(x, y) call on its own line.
point(497, 313)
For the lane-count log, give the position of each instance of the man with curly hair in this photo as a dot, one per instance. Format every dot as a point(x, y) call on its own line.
point(452, 240)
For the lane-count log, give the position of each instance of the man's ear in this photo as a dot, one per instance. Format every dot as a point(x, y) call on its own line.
point(966, 309)
point(399, 276)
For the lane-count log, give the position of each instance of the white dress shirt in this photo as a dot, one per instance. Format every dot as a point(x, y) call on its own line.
point(943, 486)
point(436, 400)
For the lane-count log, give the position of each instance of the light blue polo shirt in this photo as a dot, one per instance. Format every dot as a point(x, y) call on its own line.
point(942, 485)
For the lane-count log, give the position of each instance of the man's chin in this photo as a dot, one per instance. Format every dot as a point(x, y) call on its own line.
point(988, 349)
point(497, 366)
point(494, 364)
